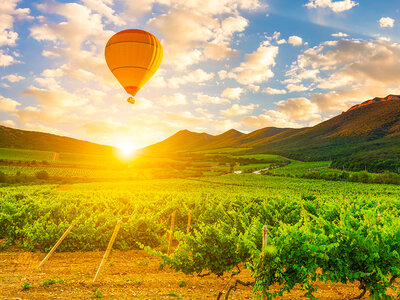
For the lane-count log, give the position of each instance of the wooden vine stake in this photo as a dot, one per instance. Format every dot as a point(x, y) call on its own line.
point(57, 244)
point(189, 220)
point(265, 236)
point(110, 244)
point(171, 232)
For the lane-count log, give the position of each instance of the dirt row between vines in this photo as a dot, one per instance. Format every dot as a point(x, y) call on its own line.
point(127, 275)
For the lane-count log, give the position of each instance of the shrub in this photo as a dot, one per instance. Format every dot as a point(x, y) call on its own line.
point(3, 177)
point(42, 175)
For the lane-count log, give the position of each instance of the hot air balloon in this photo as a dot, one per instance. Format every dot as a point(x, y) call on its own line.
point(133, 56)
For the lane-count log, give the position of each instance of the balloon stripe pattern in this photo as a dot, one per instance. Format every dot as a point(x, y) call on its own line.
point(133, 56)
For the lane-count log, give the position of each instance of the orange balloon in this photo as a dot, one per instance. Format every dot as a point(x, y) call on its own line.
point(133, 56)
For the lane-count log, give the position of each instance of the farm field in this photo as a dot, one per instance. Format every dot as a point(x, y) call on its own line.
point(228, 213)
point(64, 166)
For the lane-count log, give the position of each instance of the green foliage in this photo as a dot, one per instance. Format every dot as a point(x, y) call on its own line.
point(25, 285)
point(182, 283)
point(97, 294)
point(375, 160)
point(48, 282)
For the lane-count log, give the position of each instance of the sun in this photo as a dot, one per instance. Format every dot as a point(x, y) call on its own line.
point(126, 149)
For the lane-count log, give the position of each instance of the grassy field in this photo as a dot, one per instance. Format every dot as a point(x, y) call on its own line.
point(26, 155)
point(224, 151)
point(299, 168)
point(265, 157)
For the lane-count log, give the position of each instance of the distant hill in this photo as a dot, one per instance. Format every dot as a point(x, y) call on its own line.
point(372, 126)
point(32, 140)
point(186, 140)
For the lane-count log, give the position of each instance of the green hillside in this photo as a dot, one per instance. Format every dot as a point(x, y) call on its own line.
point(32, 140)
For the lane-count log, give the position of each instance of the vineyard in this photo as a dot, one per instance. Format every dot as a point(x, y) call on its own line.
point(322, 231)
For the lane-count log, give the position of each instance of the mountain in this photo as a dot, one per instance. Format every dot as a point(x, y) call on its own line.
point(32, 140)
point(373, 125)
point(183, 140)
point(376, 99)
point(186, 140)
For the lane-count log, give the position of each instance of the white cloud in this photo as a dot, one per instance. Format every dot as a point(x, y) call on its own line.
point(273, 91)
point(143, 103)
point(238, 110)
point(8, 123)
point(252, 87)
point(218, 7)
point(206, 99)
point(374, 61)
point(335, 6)
point(49, 53)
point(204, 112)
point(185, 118)
point(6, 60)
point(176, 99)
point(232, 93)
point(270, 118)
point(8, 38)
point(298, 108)
point(386, 22)
point(339, 34)
point(101, 6)
point(335, 81)
point(185, 35)
point(352, 69)
point(198, 76)
point(80, 37)
point(81, 26)
point(33, 114)
point(257, 66)
point(295, 40)
point(57, 98)
point(137, 8)
point(296, 87)
point(8, 105)
point(8, 14)
point(195, 31)
point(226, 124)
point(13, 77)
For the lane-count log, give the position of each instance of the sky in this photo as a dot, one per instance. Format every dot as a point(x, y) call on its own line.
point(242, 64)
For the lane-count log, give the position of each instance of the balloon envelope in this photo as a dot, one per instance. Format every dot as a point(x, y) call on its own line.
point(133, 56)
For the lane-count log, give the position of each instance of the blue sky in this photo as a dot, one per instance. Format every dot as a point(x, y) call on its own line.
point(243, 64)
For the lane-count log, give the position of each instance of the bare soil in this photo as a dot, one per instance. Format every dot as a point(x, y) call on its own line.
point(126, 275)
